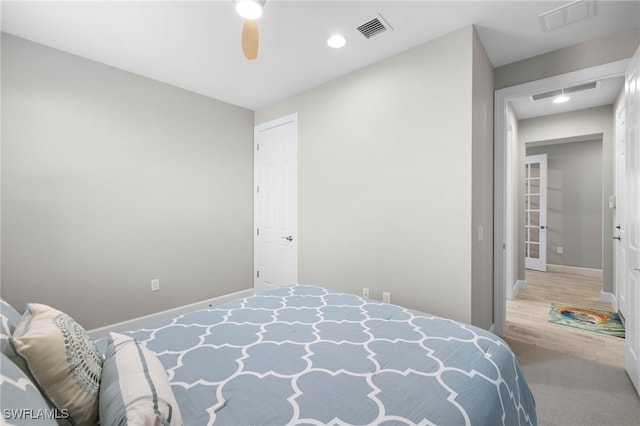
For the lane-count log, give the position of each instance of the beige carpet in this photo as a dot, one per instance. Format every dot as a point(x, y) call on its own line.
point(573, 391)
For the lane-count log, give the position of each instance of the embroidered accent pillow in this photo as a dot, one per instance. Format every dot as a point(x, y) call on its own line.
point(134, 388)
point(61, 359)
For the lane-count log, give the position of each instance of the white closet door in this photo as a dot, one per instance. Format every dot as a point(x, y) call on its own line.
point(276, 204)
point(631, 224)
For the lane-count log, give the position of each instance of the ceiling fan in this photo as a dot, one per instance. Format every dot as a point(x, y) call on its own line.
point(250, 10)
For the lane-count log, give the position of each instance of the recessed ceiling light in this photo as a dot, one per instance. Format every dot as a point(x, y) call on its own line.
point(561, 99)
point(249, 9)
point(336, 41)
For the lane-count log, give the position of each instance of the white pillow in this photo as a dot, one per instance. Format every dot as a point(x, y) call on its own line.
point(134, 388)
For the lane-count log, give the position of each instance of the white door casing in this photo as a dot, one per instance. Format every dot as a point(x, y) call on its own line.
point(535, 210)
point(276, 203)
point(631, 242)
point(510, 248)
point(620, 252)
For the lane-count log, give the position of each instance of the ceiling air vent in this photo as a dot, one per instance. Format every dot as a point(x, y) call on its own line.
point(572, 89)
point(567, 14)
point(374, 27)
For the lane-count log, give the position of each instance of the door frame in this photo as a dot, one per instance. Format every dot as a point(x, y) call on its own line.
point(291, 118)
point(619, 206)
point(504, 167)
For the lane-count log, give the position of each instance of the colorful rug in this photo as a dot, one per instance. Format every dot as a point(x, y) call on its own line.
point(604, 322)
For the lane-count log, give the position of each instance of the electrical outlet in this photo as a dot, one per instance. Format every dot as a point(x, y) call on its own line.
point(365, 292)
point(560, 250)
point(155, 284)
point(386, 297)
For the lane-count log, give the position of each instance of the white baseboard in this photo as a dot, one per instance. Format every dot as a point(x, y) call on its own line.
point(135, 323)
point(609, 298)
point(575, 270)
point(520, 284)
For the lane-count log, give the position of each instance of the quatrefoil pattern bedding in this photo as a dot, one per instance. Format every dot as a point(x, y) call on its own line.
point(308, 355)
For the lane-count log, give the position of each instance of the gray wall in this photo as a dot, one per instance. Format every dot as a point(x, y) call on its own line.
point(589, 54)
point(385, 178)
point(482, 188)
point(574, 203)
point(110, 180)
point(581, 123)
point(515, 187)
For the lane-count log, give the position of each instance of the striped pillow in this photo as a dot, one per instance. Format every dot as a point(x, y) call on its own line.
point(134, 388)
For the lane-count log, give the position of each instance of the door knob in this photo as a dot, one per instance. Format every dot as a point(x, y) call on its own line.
point(542, 226)
point(289, 238)
point(617, 238)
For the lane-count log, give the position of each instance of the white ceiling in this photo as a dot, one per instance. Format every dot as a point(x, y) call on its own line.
point(196, 45)
point(605, 93)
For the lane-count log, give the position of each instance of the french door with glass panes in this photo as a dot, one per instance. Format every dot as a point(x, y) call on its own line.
point(535, 211)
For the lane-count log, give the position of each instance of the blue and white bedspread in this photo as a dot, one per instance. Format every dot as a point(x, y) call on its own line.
point(308, 355)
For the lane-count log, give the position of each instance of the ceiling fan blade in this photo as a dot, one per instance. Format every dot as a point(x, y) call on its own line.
point(250, 39)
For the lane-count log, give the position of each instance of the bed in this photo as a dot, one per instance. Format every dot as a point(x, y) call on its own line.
point(307, 355)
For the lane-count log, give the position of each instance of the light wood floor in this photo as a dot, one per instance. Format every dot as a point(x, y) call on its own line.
point(527, 317)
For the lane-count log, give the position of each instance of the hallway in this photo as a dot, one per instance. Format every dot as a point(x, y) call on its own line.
point(527, 317)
